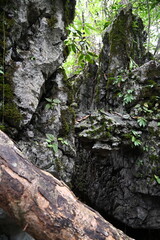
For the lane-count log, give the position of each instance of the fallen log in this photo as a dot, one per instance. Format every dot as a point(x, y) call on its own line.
point(44, 206)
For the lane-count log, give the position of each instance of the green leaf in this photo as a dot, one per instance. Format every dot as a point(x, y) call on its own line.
point(73, 47)
point(107, 23)
point(60, 139)
point(79, 32)
point(49, 100)
point(130, 91)
point(50, 145)
point(55, 147)
point(133, 139)
point(65, 142)
point(128, 98)
point(87, 30)
point(137, 142)
point(157, 179)
point(142, 122)
point(89, 26)
point(81, 57)
point(1, 72)
point(145, 105)
point(89, 58)
point(56, 100)
point(120, 95)
point(92, 54)
point(72, 30)
point(48, 106)
point(33, 58)
point(135, 133)
point(50, 137)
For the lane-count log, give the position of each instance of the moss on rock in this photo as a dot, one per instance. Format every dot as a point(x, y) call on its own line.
point(67, 120)
point(10, 115)
point(52, 21)
point(69, 11)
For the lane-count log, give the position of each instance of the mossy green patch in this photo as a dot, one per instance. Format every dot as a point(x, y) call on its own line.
point(67, 120)
point(10, 115)
point(117, 36)
point(8, 94)
point(99, 132)
point(52, 21)
point(59, 165)
point(2, 127)
point(69, 89)
point(69, 11)
point(154, 158)
point(9, 112)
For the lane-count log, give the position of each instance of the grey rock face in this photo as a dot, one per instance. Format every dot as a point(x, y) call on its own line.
point(114, 174)
point(37, 50)
point(40, 92)
point(116, 157)
point(117, 163)
point(123, 42)
point(38, 89)
point(84, 88)
point(50, 121)
point(122, 50)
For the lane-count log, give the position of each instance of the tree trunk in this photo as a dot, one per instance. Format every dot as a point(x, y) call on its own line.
point(44, 206)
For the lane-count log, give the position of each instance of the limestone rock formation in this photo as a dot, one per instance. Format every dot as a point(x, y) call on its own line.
point(122, 50)
point(34, 96)
point(117, 163)
point(112, 161)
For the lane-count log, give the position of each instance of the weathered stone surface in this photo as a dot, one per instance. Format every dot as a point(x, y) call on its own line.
point(51, 121)
point(35, 31)
point(117, 163)
point(122, 50)
point(37, 50)
point(114, 174)
point(84, 88)
point(123, 42)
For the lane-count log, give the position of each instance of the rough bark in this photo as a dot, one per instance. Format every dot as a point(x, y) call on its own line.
point(44, 206)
